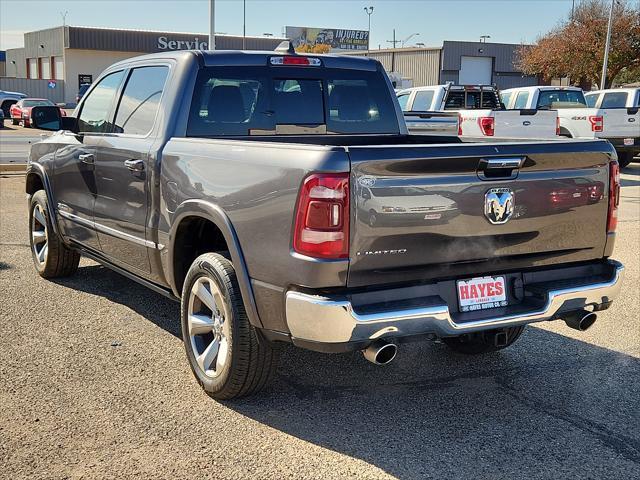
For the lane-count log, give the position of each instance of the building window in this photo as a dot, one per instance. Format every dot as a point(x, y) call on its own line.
point(45, 68)
point(58, 70)
point(32, 68)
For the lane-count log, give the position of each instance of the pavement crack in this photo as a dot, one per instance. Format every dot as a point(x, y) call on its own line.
point(623, 445)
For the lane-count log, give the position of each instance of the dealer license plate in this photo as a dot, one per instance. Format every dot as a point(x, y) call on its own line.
point(481, 293)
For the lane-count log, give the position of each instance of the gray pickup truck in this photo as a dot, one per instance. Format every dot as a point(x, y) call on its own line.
point(280, 198)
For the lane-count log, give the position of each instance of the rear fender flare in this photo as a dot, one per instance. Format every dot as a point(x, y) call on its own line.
point(214, 214)
point(38, 170)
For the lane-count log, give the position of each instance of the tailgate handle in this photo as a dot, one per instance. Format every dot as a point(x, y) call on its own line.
point(502, 163)
point(499, 168)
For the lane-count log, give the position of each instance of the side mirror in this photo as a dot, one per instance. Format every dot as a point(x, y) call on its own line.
point(50, 118)
point(46, 118)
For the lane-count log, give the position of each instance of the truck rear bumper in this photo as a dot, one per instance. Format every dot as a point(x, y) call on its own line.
point(318, 322)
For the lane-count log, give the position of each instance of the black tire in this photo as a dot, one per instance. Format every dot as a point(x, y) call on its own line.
point(624, 159)
point(251, 361)
point(58, 260)
point(482, 342)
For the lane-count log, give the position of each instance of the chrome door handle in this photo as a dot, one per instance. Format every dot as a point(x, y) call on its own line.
point(87, 158)
point(134, 165)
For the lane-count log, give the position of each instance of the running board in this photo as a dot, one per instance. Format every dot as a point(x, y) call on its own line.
point(131, 276)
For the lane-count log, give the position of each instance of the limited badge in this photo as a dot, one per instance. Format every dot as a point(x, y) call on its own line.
point(499, 204)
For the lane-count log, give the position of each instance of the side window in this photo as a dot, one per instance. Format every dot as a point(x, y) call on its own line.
point(591, 99)
point(423, 101)
point(140, 100)
point(637, 103)
point(614, 100)
point(402, 100)
point(96, 107)
point(521, 100)
point(505, 98)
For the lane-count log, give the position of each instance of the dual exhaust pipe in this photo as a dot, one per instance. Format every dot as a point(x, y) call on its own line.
point(381, 352)
point(580, 320)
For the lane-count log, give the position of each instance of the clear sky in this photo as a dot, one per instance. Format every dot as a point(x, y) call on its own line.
point(508, 21)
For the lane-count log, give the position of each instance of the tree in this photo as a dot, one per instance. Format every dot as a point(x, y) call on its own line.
point(317, 48)
point(575, 48)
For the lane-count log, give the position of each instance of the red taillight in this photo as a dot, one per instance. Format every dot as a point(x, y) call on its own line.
point(597, 123)
point(487, 126)
point(459, 124)
point(557, 126)
point(322, 216)
point(614, 196)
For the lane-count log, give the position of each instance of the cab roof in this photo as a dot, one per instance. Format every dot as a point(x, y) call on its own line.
point(211, 58)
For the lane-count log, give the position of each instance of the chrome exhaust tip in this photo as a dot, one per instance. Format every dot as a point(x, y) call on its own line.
point(580, 320)
point(380, 352)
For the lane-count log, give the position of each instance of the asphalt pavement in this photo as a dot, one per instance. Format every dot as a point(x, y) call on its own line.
point(94, 384)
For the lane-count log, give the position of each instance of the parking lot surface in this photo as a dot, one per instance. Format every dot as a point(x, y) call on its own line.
point(94, 384)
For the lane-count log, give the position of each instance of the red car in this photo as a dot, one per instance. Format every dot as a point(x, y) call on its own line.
point(21, 111)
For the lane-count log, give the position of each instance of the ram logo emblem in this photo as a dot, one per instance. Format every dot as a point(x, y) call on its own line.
point(499, 204)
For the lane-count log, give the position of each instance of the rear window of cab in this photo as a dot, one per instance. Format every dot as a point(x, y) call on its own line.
point(286, 100)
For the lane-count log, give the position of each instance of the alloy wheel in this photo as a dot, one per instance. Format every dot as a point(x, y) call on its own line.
point(39, 234)
point(208, 327)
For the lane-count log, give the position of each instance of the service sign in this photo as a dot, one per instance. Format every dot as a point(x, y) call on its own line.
point(339, 40)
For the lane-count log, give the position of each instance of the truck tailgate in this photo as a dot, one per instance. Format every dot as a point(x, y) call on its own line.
point(418, 211)
point(510, 123)
point(620, 123)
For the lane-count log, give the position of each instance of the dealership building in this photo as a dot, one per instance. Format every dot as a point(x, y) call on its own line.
point(463, 63)
point(54, 62)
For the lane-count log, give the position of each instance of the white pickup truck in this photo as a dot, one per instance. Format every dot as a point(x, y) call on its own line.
point(621, 106)
point(582, 119)
point(471, 111)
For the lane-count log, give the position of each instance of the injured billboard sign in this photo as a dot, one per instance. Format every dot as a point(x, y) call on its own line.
point(338, 40)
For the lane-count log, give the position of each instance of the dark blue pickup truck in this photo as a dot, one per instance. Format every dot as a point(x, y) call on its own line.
point(280, 198)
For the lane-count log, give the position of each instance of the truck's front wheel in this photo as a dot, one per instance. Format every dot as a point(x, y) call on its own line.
point(227, 355)
point(484, 342)
point(51, 257)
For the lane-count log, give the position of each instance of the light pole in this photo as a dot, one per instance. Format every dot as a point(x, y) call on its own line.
point(64, 17)
point(603, 82)
point(244, 24)
point(368, 11)
point(212, 24)
point(407, 39)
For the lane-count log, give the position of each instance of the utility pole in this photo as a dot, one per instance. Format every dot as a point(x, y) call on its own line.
point(64, 17)
point(368, 11)
point(573, 9)
point(244, 24)
point(603, 82)
point(212, 25)
point(394, 42)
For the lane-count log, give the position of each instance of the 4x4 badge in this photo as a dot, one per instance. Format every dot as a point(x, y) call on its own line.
point(499, 204)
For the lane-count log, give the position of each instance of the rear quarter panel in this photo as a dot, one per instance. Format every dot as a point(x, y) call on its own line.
point(256, 185)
